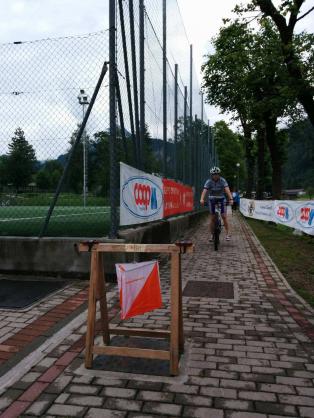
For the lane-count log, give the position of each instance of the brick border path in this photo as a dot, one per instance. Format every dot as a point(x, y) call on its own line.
point(251, 357)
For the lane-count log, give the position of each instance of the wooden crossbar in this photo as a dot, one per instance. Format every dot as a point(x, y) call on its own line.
point(97, 292)
point(135, 248)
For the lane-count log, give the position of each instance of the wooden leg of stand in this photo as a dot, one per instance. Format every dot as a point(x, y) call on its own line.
point(90, 334)
point(102, 297)
point(181, 331)
point(174, 338)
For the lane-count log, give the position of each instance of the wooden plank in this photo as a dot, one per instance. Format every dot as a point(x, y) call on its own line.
point(140, 332)
point(90, 333)
point(101, 296)
point(132, 352)
point(132, 248)
point(174, 300)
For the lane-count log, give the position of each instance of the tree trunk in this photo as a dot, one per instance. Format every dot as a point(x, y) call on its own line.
point(250, 160)
point(275, 155)
point(260, 163)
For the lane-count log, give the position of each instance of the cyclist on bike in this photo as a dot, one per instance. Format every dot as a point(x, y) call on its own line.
point(216, 186)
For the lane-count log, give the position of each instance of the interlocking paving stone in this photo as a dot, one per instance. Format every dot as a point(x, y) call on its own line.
point(249, 357)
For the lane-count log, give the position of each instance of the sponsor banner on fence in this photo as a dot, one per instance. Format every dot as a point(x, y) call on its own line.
point(296, 214)
point(145, 198)
point(178, 198)
point(141, 196)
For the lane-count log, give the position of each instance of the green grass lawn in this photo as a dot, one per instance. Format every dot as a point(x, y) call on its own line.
point(91, 221)
point(293, 255)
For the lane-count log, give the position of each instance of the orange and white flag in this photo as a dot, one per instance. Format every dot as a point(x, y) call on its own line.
point(139, 287)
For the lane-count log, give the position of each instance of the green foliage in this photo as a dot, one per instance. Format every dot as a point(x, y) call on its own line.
point(20, 162)
point(299, 167)
point(231, 151)
point(48, 176)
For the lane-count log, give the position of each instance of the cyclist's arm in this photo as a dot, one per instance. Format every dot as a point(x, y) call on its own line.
point(228, 193)
point(203, 196)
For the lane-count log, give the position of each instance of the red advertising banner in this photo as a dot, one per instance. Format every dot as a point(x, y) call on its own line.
point(177, 198)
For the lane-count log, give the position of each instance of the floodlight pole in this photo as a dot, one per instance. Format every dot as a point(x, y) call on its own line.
point(83, 100)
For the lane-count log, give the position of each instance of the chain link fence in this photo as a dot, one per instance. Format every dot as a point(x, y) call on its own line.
point(46, 88)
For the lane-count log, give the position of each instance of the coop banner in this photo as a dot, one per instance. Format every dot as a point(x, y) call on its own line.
point(145, 198)
point(141, 196)
point(295, 214)
point(139, 287)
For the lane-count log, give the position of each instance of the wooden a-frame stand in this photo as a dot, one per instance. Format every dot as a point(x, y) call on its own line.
point(97, 292)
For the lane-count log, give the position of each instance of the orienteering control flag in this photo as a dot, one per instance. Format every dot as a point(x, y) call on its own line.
point(139, 287)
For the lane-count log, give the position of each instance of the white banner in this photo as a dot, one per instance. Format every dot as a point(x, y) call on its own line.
point(141, 196)
point(296, 214)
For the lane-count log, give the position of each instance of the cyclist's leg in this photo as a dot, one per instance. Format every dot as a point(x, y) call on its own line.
point(211, 206)
point(224, 217)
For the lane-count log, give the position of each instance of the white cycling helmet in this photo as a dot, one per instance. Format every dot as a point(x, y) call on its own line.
point(215, 170)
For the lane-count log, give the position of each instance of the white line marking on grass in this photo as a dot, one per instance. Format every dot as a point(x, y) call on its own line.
point(53, 216)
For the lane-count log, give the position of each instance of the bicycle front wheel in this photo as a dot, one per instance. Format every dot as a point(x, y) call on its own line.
point(216, 240)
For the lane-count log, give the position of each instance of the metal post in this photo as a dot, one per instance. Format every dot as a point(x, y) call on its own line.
point(185, 171)
point(209, 155)
point(142, 79)
point(135, 90)
point(196, 162)
point(113, 120)
point(164, 83)
point(121, 119)
point(128, 84)
point(201, 150)
point(84, 163)
point(202, 106)
point(191, 117)
point(213, 146)
point(176, 121)
point(83, 100)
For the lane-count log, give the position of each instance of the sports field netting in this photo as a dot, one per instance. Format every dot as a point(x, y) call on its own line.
point(65, 221)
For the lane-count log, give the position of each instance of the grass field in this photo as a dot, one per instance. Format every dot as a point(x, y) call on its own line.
point(91, 221)
point(292, 254)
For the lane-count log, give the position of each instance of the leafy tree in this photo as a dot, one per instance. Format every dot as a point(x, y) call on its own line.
point(3, 170)
point(100, 163)
point(299, 166)
point(285, 18)
point(225, 84)
point(231, 151)
point(246, 77)
point(48, 176)
point(21, 160)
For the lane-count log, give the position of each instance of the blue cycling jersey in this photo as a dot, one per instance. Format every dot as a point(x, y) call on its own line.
point(215, 188)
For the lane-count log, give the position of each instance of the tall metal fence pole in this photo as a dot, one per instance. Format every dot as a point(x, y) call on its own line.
point(113, 121)
point(128, 84)
point(121, 119)
point(209, 147)
point(196, 162)
point(135, 89)
point(191, 118)
point(185, 160)
point(164, 83)
point(176, 121)
point(142, 80)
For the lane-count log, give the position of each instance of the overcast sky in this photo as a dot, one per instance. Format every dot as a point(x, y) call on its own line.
point(26, 20)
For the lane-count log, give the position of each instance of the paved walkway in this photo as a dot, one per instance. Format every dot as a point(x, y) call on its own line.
point(247, 356)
